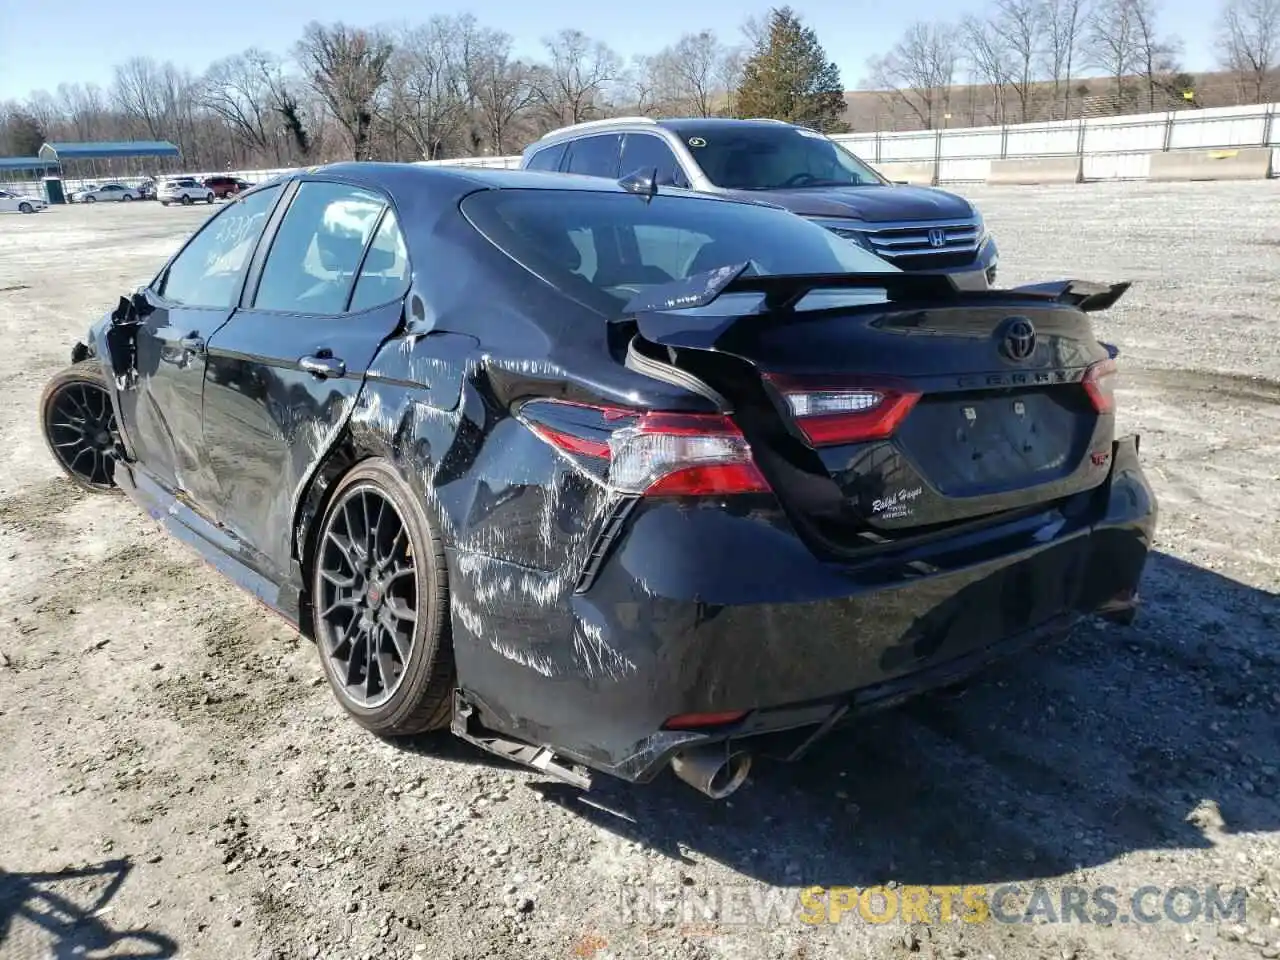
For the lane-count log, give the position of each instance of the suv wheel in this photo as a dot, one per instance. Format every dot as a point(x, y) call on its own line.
point(186, 200)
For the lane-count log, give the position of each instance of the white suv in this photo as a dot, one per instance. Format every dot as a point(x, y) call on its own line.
point(184, 190)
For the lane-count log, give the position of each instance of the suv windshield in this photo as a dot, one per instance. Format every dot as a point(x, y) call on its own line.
point(607, 247)
point(759, 158)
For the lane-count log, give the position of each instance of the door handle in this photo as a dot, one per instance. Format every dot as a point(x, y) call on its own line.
point(192, 344)
point(323, 367)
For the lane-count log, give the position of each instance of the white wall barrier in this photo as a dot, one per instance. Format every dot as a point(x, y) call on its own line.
point(1107, 148)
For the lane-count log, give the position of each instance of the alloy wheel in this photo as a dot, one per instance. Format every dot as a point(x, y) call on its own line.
point(81, 425)
point(368, 597)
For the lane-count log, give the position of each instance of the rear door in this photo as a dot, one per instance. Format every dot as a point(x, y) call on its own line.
point(894, 418)
point(284, 373)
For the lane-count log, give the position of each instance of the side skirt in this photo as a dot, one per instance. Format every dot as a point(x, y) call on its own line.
point(213, 545)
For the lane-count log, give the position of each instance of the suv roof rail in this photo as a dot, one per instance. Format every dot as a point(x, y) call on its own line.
point(588, 124)
point(785, 123)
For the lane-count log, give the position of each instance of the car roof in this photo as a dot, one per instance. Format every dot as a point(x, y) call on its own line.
point(702, 124)
point(394, 177)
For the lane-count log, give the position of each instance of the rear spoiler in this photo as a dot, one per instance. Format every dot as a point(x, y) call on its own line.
point(783, 292)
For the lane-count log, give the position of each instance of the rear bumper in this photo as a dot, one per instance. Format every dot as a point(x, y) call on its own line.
point(704, 610)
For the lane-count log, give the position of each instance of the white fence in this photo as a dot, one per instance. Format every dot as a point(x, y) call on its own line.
point(1112, 148)
point(1108, 148)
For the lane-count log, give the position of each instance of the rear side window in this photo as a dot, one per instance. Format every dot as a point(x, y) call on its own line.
point(316, 252)
point(548, 159)
point(644, 151)
point(384, 277)
point(595, 156)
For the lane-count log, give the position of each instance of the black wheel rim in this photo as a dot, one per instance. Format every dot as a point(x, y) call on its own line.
point(367, 597)
point(82, 432)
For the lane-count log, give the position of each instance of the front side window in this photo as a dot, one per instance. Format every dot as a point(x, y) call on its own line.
point(614, 245)
point(644, 151)
point(313, 260)
point(759, 158)
point(595, 156)
point(208, 271)
point(384, 276)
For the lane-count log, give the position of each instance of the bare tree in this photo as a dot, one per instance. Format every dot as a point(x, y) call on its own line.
point(242, 91)
point(920, 70)
point(1113, 38)
point(348, 68)
point(1249, 46)
point(428, 85)
point(1064, 20)
point(572, 85)
point(502, 85)
point(1157, 55)
point(1020, 24)
point(990, 60)
point(138, 93)
point(687, 74)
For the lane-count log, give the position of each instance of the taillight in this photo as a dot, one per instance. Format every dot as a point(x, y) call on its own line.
point(1100, 383)
point(829, 413)
point(653, 454)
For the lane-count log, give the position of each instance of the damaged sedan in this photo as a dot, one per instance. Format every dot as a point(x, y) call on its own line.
point(605, 477)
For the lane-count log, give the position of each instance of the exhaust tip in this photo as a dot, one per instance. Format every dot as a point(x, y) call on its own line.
point(714, 772)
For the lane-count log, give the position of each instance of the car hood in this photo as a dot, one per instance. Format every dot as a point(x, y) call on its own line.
point(872, 204)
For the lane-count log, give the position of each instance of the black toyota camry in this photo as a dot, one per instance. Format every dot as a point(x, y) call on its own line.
point(606, 477)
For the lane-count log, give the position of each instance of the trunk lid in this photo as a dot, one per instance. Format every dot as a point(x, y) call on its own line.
point(895, 404)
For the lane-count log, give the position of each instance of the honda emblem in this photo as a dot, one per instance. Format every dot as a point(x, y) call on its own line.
point(937, 237)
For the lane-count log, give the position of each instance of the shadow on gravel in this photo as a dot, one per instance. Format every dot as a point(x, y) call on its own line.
point(1154, 736)
point(60, 916)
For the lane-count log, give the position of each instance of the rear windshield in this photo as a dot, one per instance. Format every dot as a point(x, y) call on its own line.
point(757, 158)
point(617, 245)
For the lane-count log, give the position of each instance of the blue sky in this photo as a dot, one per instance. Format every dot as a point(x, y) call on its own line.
point(80, 41)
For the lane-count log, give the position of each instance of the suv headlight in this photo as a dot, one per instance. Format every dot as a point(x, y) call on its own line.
point(848, 229)
point(981, 226)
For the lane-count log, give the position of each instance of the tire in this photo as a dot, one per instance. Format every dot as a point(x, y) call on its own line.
point(90, 199)
point(164, 203)
point(186, 200)
point(25, 207)
point(422, 697)
point(126, 198)
point(75, 383)
point(209, 198)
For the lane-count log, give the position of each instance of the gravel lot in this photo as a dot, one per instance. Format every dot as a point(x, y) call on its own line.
point(175, 780)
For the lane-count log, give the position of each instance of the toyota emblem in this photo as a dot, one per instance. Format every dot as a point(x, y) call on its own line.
point(937, 237)
point(1019, 338)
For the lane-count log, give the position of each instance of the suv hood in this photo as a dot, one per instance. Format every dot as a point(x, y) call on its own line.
point(872, 204)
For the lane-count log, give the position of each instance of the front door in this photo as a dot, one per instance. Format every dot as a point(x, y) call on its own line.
point(285, 371)
point(193, 296)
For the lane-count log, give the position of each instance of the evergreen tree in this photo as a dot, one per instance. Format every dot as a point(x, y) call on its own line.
point(23, 135)
point(788, 77)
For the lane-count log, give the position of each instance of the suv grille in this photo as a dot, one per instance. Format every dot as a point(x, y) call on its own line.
point(912, 246)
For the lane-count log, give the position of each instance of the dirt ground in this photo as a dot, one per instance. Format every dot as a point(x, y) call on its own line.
point(175, 780)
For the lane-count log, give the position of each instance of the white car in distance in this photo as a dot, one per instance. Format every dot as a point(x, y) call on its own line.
point(107, 192)
point(14, 203)
point(184, 190)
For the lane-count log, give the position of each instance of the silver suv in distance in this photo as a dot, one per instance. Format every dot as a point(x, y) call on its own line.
point(801, 170)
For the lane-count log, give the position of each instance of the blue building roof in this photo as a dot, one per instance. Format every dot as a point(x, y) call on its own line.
point(24, 163)
point(60, 152)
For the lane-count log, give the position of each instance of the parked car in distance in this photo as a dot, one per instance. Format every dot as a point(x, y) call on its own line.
point(801, 170)
point(184, 190)
point(108, 192)
point(605, 478)
point(224, 187)
point(17, 203)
